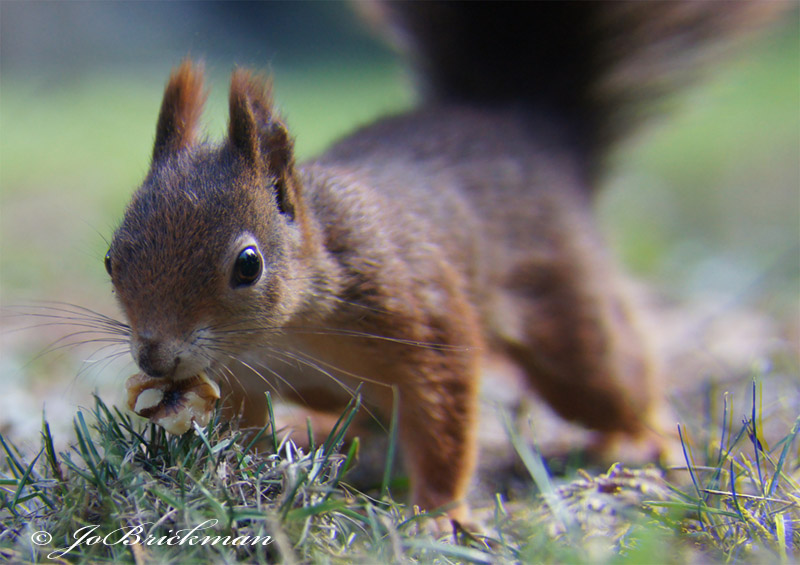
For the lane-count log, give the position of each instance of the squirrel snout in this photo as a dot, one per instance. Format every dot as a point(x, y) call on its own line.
point(164, 357)
point(155, 357)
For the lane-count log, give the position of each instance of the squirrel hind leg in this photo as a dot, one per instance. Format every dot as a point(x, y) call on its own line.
point(583, 352)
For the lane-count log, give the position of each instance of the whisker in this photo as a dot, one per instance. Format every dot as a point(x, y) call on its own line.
point(55, 347)
point(64, 321)
point(362, 306)
point(367, 335)
point(68, 315)
point(272, 387)
point(299, 360)
point(276, 375)
point(73, 310)
point(341, 332)
point(85, 327)
point(260, 375)
point(317, 365)
point(100, 364)
point(213, 347)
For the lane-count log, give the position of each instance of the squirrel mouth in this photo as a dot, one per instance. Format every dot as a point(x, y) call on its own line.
point(171, 404)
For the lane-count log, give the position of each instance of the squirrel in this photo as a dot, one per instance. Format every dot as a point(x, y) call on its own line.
point(418, 246)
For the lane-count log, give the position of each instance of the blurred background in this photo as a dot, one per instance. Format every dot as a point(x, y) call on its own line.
point(702, 206)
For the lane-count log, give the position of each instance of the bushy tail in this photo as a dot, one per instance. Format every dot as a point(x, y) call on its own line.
point(590, 63)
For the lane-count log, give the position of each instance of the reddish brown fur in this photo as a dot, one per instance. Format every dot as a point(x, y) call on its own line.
point(401, 258)
point(180, 111)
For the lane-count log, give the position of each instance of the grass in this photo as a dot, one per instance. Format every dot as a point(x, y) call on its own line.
point(121, 474)
point(747, 500)
point(208, 496)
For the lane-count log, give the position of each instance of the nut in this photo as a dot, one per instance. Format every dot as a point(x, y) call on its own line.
point(173, 405)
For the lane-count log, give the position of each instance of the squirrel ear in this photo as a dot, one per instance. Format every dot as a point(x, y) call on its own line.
point(260, 137)
point(180, 110)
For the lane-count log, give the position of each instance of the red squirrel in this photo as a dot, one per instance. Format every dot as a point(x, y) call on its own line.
point(420, 245)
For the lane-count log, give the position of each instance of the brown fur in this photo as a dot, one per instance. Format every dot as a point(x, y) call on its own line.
point(400, 260)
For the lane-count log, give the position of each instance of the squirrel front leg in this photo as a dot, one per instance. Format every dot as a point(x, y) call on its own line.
point(437, 411)
point(437, 434)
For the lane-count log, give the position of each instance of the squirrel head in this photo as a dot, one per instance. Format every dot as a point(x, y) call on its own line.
point(210, 246)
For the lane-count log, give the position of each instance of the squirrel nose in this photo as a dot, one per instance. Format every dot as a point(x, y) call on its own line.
point(155, 357)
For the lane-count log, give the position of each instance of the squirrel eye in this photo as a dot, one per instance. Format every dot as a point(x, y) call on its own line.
point(107, 262)
point(247, 268)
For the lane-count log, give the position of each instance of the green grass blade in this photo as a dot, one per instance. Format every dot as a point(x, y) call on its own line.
point(272, 423)
point(787, 444)
point(310, 431)
point(336, 434)
point(536, 468)
point(249, 447)
point(313, 510)
point(16, 466)
point(687, 455)
point(50, 451)
point(23, 481)
point(390, 452)
point(457, 552)
point(755, 420)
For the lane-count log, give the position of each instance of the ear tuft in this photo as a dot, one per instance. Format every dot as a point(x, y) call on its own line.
point(250, 109)
point(180, 112)
point(258, 135)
